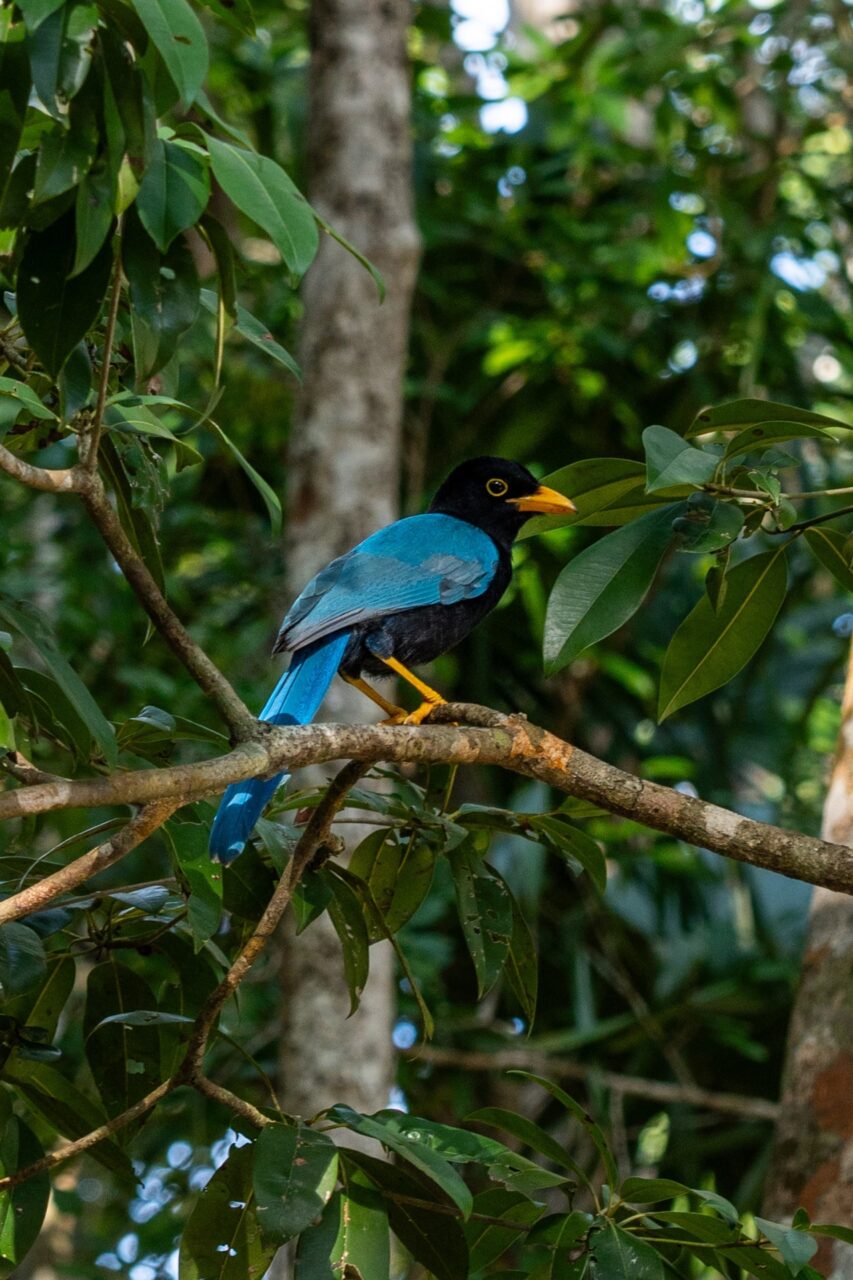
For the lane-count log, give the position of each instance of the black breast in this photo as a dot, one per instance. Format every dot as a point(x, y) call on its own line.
point(417, 636)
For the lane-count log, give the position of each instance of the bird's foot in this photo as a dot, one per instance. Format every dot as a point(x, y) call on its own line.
point(400, 716)
point(424, 710)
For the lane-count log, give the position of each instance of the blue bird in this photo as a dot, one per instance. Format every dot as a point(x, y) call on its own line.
point(406, 594)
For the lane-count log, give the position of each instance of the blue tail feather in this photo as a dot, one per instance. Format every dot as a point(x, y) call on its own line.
point(295, 700)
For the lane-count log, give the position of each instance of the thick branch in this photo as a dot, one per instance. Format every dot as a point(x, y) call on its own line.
point(556, 1068)
point(206, 675)
point(63, 481)
point(486, 738)
point(36, 896)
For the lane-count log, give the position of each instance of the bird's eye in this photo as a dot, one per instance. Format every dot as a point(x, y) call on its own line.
point(496, 487)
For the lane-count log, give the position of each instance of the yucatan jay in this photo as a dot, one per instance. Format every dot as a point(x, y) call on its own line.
point(402, 597)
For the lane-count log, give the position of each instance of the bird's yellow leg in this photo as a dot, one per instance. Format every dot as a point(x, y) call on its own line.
point(431, 698)
point(396, 714)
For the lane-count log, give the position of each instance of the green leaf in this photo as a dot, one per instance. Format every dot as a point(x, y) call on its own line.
point(253, 331)
point(75, 382)
point(67, 1110)
point(67, 151)
point(180, 41)
point(42, 1007)
point(23, 400)
point(463, 1147)
point(376, 274)
point(14, 94)
point(136, 522)
point(704, 532)
point(522, 965)
point(295, 1171)
point(651, 1190)
point(23, 1207)
point(347, 917)
point(56, 311)
point(766, 435)
point(174, 193)
point(60, 52)
point(670, 462)
point(485, 914)
point(603, 586)
point(582, 1115)
point(796, 1247)
point(269, 496)
point(619, 1255)
point(488, 1241)
point(593, 484)
point(129, 416)
point(526, 1131)
point(829, 546)
point(164, 296)
point(709, 648)
point(188, 842)
point(571, 841)
point(263, 191)
point(24, 619)
point(699, 1225)
point(222, 1239)
point(831, 1229)
point(434, 1239)
point(427, 1161)
point(35, 11)
point(352, 1237)
point(738, 414)
point(125, 1063)
point(22, 962)
point(397, 876)
point(223, 252)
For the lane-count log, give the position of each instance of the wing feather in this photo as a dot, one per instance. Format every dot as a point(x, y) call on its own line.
point(422, 560)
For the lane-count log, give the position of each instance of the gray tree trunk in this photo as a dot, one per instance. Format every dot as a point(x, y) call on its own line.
point(344, 462)
point(813, 1156)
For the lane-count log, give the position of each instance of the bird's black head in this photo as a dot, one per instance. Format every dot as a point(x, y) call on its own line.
point(498, 496)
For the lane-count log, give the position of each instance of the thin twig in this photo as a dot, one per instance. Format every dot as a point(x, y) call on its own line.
point(89, 1140)
point(807, 524)
point(557, 1068)
point(24, 771)
point(315, 834)
point(37, 896)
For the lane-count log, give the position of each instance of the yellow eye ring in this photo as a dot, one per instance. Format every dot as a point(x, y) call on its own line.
point(496, 487)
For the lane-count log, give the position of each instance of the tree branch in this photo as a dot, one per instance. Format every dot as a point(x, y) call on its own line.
point(207, 676)
point(89, 1140)
point(190, 1070)
point(557, 1068)
point(62, 481)
point(483, 737)
point(36, 896)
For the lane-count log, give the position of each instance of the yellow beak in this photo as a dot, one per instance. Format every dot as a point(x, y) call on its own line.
point(545, 501)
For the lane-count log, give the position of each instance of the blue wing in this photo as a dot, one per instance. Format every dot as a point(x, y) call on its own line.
point(428, 559)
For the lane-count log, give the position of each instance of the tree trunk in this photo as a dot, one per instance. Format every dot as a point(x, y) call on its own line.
point(345, 460)
point(813, 1156)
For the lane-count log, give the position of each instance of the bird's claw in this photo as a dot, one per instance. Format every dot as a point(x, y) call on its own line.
point(423, 711)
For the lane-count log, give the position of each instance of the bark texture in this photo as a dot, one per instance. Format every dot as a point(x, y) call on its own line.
point(344, 461)
point(813, 1157)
